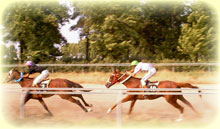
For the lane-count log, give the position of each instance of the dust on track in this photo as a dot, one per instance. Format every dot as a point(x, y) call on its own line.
point(145, 113)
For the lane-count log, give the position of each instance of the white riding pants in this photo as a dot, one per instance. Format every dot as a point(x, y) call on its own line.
point(150, 73)
point(44, 74)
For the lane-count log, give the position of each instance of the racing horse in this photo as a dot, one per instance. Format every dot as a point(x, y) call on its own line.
point(26, 82)
point(133, 82)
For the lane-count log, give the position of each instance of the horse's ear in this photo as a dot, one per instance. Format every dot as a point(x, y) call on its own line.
point(15, 69)
point(116, 71)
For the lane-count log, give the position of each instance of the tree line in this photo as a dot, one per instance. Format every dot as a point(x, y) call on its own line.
point(113, 31)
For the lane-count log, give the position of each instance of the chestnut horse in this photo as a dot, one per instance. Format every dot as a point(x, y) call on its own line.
point(132, 82)
point(26, 82)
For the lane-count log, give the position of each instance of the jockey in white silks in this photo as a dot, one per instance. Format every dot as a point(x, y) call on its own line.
point(146, 67)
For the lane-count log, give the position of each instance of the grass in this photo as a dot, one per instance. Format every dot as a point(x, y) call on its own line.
point(196, 77)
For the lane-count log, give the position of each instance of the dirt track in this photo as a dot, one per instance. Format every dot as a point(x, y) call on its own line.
point(145, 113)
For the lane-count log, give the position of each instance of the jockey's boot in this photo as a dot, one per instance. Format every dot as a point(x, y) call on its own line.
point(147, 83)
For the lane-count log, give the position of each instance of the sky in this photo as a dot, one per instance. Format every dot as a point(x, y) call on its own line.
point(71, 36)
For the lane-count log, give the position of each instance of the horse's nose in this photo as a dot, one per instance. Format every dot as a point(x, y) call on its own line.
point(7, 80)
point(108, 84)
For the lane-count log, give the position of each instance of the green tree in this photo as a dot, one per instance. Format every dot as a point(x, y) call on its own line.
point(83, 26)
point(73, 52)
point(198, 38)
point(162, 28)
point(96, 28)
point(35, 26)
point(121, 31)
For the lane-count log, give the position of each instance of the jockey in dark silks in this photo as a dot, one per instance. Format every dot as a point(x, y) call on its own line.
point(33, 68)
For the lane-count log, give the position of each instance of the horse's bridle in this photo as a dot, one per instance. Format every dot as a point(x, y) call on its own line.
point(21, 77)
point(11, 74)
point(117, 79)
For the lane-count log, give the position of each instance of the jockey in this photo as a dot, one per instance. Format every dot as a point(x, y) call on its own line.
point(139, 66)
point(33, 68)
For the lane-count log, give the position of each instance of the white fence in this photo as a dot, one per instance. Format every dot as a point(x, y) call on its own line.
point(115, 64)
point(119, 92)
point(135, 91)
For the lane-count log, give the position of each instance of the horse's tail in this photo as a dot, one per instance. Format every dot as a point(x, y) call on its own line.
point(86, 90)
point(187, 85)
point(76, 85)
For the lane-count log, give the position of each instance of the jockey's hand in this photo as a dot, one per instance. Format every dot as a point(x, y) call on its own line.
point(129, 73)
point(26, 75)
point(133, 74)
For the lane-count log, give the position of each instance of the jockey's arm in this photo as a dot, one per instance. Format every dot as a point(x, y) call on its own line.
point(27, 72)
point(131, 72)
point(26, 75)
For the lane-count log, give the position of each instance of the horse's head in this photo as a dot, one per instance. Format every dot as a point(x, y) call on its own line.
point(114, 78)
point(13, 74)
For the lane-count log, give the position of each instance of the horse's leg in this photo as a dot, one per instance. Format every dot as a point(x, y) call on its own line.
point(132, 105)
point(69, 98)
point(128, 98)
point(81, 97)
point(187, 103)
point(174, 103)
point(44, 105)
point(27, 98)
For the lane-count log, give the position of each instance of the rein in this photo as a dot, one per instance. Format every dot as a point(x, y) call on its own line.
point(125, 78)
point(19, 78)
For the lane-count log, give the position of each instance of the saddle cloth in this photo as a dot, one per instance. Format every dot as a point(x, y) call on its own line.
point(45, 83)
point(152, 84)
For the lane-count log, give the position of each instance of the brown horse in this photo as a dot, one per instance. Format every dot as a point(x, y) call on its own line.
point(55, 83)
point(132, 82)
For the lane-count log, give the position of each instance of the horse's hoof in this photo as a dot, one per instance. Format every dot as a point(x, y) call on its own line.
point(109, 110)
point(179, 119)
point(89, 109)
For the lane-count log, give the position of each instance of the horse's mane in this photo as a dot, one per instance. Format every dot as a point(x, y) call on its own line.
point(135, 77)
point(16, 70)
point(28, 77)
